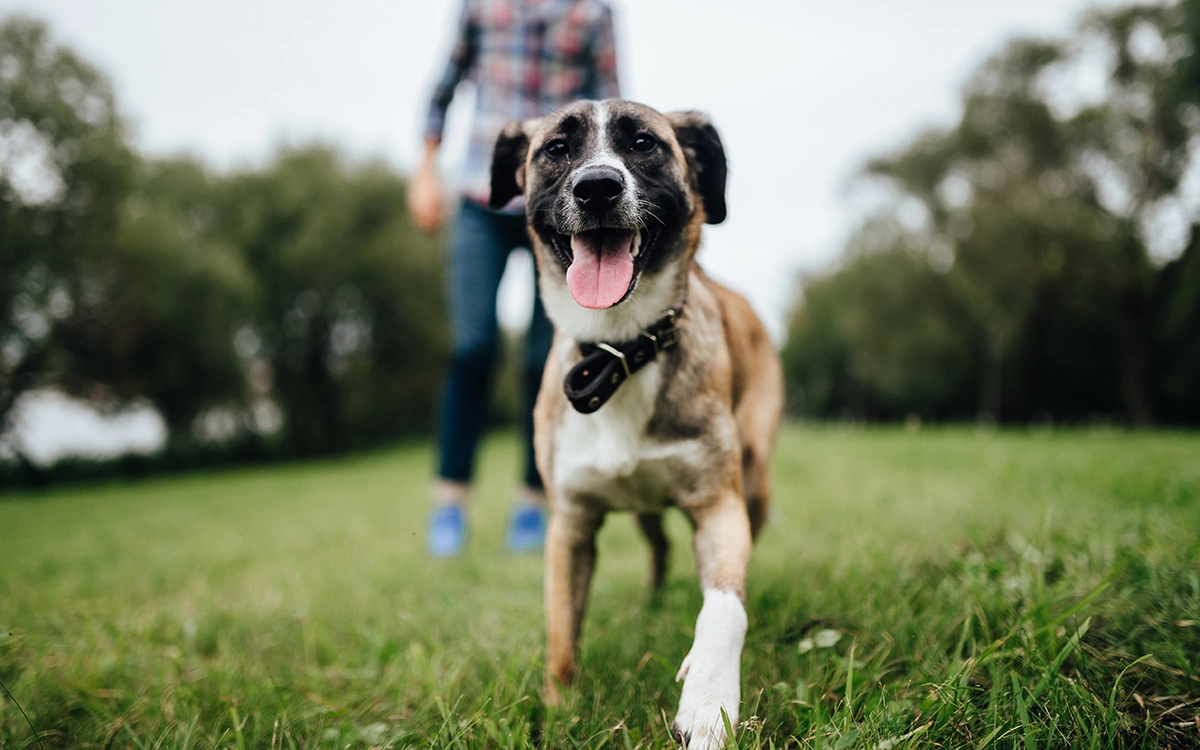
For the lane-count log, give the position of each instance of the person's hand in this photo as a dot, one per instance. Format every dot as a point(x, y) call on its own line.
point(425, 201)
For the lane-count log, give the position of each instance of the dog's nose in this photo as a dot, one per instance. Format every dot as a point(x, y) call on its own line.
point(598, 189)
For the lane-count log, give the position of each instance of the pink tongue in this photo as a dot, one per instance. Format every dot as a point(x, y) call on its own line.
point(602, 268)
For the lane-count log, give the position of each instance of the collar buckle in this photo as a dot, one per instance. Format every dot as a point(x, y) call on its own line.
point(666, 335)
point(620, 355)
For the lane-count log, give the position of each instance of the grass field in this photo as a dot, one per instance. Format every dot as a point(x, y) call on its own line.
point(946, 588)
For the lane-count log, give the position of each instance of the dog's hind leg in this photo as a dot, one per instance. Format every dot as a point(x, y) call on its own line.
point(757, 411)
point(755, 488)
point(711, 672)
point(652, 528)
point(570, 558)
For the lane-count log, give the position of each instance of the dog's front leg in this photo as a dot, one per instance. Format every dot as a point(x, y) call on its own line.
point(570, 557)
point(711, 672)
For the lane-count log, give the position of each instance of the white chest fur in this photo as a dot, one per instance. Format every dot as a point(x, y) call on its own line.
point(608, 455)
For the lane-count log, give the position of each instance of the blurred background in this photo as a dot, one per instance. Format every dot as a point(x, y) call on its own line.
point(944, 211)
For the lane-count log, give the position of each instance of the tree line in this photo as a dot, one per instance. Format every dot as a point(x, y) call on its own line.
point(290, 309)
point(1037, 260)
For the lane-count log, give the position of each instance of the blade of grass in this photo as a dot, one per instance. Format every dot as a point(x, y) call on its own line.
point(1023, 714)
point(1051, 672)
point(849, 698)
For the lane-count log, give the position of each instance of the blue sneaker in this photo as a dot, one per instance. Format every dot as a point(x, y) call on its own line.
point(447, 530)
point(527, 528)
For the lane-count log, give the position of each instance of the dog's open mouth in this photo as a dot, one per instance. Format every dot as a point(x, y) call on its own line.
point(602, 264)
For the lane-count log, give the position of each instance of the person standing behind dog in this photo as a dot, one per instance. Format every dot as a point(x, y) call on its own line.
point(526, 58)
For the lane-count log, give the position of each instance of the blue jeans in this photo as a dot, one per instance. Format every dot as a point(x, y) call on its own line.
point(480, 243)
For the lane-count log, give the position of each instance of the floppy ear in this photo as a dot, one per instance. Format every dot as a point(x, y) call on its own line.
point(706, 160)
point(508, 164)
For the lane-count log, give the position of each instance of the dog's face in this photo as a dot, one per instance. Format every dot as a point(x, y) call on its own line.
point(615, 192)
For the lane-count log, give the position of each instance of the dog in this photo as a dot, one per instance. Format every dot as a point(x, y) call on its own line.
point(662, 387)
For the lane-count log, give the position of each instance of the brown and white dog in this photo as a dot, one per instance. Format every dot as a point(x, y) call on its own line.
point(662, 387)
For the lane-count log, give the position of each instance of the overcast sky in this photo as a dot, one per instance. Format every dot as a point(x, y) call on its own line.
point(802, 93)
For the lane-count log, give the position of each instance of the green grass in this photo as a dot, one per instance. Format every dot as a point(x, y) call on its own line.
point(1007, 590)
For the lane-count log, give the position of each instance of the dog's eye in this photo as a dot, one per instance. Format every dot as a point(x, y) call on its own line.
point(644, 143)
point(556, 149)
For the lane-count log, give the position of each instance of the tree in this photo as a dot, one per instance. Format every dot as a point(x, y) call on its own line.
point(158, 319)
point(881, 338)
point(1041, 207)
point(349, 312)
point(301, 286)
point(65, 170)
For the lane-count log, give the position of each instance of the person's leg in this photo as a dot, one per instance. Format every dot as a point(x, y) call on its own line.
point(478, 250)
point(527, 529)
point(537, 347)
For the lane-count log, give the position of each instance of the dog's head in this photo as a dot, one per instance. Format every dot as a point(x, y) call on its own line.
point(615, 192)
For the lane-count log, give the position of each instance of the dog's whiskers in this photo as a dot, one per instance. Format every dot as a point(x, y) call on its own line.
point(649, 207)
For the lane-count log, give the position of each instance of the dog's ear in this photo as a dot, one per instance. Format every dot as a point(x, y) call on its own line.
point(508, 164)
point(706, 160)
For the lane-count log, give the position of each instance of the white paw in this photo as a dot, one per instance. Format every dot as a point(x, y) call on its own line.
point(711, 674)
point(699, 724)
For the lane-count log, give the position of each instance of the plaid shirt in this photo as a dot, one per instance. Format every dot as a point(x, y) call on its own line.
point(526, 59)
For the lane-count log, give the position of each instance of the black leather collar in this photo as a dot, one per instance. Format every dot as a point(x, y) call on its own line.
point(605, 366)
